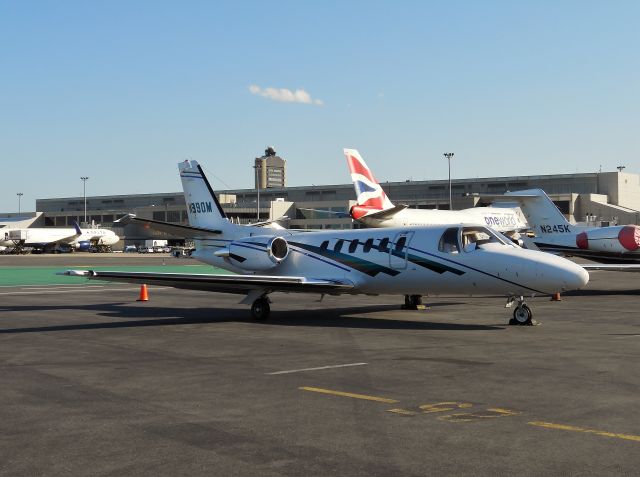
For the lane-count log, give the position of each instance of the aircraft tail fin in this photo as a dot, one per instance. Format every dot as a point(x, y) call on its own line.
point(540, 211)
point(203, 207)
point(76, 226)
point(369, 193)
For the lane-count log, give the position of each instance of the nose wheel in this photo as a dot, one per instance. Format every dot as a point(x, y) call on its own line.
point(522, 314)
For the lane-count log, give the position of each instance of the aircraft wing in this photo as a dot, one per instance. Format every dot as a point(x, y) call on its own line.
point(186, 231)
point(239, 284)
point(340, 215)
point(512, 197)
point(612, 267)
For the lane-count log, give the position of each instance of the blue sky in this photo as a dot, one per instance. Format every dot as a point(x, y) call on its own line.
point(121, 91)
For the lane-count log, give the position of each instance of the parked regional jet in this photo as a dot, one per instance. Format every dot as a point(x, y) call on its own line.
point(49, 238)
point(374, 208)
point(467, 259)
point(618, 244)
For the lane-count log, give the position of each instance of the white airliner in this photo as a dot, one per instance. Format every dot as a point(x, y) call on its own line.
point(49, 238)
point(466, 259)
point(554, 233)
point(374, 208)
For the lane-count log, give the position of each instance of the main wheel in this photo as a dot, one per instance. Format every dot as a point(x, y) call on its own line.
point(522, 315)
point(260, 309)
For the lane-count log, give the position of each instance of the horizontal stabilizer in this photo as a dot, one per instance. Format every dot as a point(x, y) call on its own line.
point(186, 231)
point(612, 267)
point(386, 213)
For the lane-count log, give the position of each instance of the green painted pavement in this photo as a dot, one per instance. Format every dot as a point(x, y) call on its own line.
point(19, 276)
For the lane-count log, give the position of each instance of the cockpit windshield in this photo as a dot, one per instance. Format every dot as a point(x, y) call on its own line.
point(478, 237)
point(469, 238)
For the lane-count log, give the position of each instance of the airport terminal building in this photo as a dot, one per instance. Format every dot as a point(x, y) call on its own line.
point(601, 198)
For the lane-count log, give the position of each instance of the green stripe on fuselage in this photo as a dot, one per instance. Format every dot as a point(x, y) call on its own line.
point(364, 266)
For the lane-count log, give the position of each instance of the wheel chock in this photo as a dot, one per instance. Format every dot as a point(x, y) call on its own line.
point(556, 297)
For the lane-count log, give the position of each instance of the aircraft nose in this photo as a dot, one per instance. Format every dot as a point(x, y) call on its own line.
point(575, 277)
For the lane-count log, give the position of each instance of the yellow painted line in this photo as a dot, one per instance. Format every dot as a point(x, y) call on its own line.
point(403, 412)
point(506, 412)
point(349, 395)
point(564, 427)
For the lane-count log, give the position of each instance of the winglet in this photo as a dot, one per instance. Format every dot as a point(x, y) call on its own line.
point(76, 273)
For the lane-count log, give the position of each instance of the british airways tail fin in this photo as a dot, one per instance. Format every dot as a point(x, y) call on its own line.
point(202, 204)
point(370, 196)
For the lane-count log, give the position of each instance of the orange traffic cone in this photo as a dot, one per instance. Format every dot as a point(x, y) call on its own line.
point(144, 294)
point(556, 297)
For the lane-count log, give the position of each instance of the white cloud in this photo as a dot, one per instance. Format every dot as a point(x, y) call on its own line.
point(285, 95)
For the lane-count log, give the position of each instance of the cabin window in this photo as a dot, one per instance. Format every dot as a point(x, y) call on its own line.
point(338, 246)
point(384, 245)
point(324, 245)
point(449, 241)
point(353, 246)
point(367, 245)
point(400, 244)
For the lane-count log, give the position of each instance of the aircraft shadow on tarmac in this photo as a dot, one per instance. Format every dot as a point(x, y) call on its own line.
point(588, 292)
point(136, 316)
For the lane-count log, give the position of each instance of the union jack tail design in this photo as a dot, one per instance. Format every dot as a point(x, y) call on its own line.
point(370, 196)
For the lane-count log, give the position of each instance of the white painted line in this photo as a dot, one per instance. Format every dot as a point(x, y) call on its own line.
point(316, 369)
point(52, 292)
point(63, 287)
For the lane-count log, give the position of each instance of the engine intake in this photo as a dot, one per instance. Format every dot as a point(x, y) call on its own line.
point(256, 253)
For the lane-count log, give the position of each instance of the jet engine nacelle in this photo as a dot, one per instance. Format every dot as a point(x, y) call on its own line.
point(621, 239)
point(256, 253)
point(85, 245)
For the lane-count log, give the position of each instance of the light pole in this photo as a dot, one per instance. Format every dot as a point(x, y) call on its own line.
point(19, 194)
point(257, 167)
point(84, 193)
point(621, 168)
point(449, 155)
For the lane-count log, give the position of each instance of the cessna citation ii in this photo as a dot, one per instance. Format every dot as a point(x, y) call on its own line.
point(465, 259)
point(49, 238)
point(618, 244)
point(374, 208)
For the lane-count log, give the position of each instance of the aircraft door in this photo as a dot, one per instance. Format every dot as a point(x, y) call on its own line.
point(399, 249)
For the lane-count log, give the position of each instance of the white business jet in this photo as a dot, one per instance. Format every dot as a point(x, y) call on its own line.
point(374, 208)
point(617, 245)
point(465, 259)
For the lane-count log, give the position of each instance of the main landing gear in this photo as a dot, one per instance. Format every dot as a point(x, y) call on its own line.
point(260, 309)
point(521, 314)
point(413, 302)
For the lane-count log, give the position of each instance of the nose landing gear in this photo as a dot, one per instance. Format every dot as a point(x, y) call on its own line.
point(522, 314)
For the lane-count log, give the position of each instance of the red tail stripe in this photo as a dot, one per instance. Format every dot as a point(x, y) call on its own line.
point(373, 203)
point(355, 166)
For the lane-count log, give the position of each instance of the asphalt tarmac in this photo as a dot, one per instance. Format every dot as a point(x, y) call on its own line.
point(94, 383)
